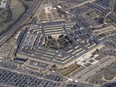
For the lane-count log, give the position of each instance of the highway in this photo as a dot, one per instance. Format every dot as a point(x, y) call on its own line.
point(16, 27)
point(111, 15)
point(83, 3)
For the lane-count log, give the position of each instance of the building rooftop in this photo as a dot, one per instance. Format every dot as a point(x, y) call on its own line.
point(32, 46)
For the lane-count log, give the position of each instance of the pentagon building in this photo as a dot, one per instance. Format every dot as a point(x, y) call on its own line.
point(84, 44)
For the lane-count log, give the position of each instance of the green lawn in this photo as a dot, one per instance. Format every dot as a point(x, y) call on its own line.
point(3, 15)
point(17, 9)
point(109, 21)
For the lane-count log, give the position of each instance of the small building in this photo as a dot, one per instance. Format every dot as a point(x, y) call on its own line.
point(3, 4)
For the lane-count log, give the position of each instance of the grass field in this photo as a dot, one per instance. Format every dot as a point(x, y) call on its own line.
point(109, 21)
point(16, 10)
point(69, 69)
point(110, 75)
point(3, 15)
point(54, 2)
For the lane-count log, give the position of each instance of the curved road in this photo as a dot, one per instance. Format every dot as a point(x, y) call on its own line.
point(111, 15)
point(14, 28)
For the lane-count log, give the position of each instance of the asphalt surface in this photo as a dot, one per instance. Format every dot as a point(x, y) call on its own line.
point(16, 27)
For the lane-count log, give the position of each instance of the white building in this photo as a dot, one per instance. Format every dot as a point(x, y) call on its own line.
point(3, 4)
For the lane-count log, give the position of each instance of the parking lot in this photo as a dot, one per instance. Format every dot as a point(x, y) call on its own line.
point(22, 80)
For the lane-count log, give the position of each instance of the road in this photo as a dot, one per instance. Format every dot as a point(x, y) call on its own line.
point(111, 15)
point(83, 3)
point(16, 27)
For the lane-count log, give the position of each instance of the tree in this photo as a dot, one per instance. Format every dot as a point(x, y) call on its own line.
point(50, 37)
point(61, 36)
